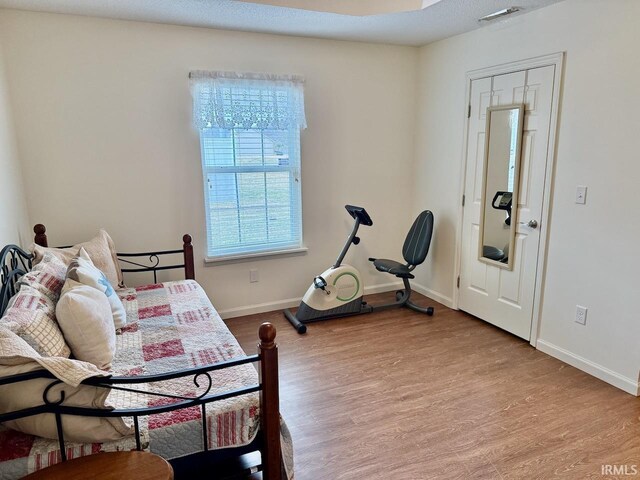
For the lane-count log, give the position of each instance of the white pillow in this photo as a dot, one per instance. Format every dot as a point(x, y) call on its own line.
point(82, 270)
point(84, 316)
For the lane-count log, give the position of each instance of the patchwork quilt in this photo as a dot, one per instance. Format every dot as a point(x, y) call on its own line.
point(170, 326)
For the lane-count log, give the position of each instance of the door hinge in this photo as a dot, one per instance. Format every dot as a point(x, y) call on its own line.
point(458, 282)
point(463, 199)
point(469, 111)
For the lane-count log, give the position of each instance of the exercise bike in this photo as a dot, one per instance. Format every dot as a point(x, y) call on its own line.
point(490, 251)
point(338, 291)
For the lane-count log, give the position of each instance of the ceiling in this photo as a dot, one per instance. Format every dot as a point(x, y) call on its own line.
point(439, 19)
point(351, 7)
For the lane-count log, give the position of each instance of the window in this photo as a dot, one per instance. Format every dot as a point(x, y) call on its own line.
point(250, 145)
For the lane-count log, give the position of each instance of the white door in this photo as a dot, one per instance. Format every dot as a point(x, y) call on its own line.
point(505, 297)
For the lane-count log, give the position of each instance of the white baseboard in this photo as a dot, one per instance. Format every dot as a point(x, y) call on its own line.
point(383, 287)
point(438, 297)
point(259, 308)
point(629, 385)
point(294, 302)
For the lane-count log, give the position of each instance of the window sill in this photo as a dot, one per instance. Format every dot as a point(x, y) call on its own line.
point(256, 255)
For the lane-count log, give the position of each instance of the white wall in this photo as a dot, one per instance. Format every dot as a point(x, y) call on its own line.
point(103, 120)
point(102, 113)
point(592, 252)
point(14, 224)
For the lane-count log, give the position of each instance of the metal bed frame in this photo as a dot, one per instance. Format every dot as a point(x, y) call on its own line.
point(15, 262)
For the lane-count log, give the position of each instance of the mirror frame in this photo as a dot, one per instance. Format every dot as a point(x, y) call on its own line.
point(516, 185)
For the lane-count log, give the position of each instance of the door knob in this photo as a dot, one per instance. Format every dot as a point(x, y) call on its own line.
point(530, 223)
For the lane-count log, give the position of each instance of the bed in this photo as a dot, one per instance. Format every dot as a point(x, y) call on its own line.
point(179, 380)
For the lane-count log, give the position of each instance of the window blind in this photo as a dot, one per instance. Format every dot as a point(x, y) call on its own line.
point(250, 148)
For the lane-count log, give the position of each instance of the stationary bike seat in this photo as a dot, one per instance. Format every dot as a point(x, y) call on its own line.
point(391, 266)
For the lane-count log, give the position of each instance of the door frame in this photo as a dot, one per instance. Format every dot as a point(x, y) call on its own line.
point(556, 60)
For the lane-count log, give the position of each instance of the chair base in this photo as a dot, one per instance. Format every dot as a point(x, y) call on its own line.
point(403, 299)
point(428, 310)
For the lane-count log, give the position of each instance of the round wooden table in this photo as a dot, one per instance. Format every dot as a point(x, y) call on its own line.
point(108, 466)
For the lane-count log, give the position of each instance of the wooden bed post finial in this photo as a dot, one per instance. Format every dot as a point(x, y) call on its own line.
point(189, 268)
point(267, 334)
point(269, 402)
point(41, 235)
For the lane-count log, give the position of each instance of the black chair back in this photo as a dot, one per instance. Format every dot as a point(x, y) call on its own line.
point(416, 245)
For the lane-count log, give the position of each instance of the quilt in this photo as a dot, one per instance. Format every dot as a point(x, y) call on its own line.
point(170, 326)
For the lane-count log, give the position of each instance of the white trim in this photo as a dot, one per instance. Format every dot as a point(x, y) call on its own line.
point(259, 308)
point(294, 302)
point(541, 267)
point(382, 287)
point(556, 60)
point(457, 261)
point(432, 294)
point(248, 256)
point(629, 385)
point(517, 66)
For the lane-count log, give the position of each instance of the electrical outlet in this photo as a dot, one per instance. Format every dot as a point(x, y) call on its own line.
point(581, 194)
point(253, 275)
point(581, 315)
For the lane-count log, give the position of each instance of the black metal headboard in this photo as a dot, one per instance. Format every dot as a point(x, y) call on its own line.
point(14, 263)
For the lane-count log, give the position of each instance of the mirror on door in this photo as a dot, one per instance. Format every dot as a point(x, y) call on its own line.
point(503, 139)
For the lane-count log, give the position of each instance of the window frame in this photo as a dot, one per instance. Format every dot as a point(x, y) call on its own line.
point(295, 185)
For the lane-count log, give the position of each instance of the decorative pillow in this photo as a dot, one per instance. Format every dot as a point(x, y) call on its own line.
point(17, 357)
point(82, 270)
point(47, 276)
point(32, 317)
point(84, 316)
point(101, 250)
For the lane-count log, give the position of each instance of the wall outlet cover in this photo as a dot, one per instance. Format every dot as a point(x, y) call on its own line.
point(581, 194)
point(581, 315)
point(253, 275)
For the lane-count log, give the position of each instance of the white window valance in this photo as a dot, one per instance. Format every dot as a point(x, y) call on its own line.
point(247, 100)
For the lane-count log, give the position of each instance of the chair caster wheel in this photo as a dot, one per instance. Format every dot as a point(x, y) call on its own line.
point(302, 329)
point(399, 294)
point(430, 311)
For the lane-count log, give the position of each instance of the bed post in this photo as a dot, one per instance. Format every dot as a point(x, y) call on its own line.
point(41, 235)
point(269, 403)
point(189, 270)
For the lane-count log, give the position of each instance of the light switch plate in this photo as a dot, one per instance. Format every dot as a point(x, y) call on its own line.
point(581, 194)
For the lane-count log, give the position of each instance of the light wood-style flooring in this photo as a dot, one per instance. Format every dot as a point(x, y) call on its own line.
point(398, 395)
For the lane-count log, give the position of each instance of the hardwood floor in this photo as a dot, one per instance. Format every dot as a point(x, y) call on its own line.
point(397, 395)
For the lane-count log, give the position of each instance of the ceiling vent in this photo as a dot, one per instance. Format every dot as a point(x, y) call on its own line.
point(499, 14)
